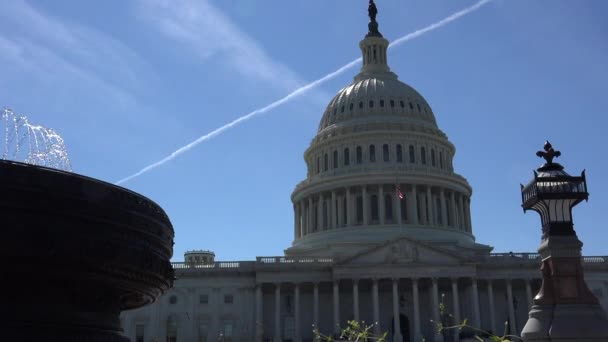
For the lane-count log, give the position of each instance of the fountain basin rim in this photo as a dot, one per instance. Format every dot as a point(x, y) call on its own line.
point(80, 176)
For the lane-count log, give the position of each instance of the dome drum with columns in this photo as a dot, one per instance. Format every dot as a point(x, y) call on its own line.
point(378, 138)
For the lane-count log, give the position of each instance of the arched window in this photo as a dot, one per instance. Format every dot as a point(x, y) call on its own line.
point(441, 160)
point(418, 105)
point(335, 159)
point(388, 206)
point(402, 104)
point(385, 155)
point(412, 154)
point(381, 103)
point(359, 155)
point(423, 155)
point(372, 153)
point(325, 162)
point(359, 209)
point(342, 109)
point(392, 103)
point(351, 106)
point(374, 207)
point(360, 104)
point(346, 157)
point(411, 106)
point(371, 104)
point(399, 154)
point(318, 164)
point(432, 157)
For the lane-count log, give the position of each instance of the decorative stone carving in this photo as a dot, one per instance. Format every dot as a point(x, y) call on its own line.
point(402, 252)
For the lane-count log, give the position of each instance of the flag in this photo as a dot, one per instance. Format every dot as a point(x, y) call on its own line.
point(399, 193)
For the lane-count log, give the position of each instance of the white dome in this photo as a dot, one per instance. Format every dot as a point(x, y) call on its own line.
point(379, 168)
point(377, 97)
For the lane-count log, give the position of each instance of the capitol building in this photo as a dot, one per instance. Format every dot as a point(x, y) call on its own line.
point(382, 233)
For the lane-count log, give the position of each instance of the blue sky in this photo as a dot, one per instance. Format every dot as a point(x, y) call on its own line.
point(128, 83)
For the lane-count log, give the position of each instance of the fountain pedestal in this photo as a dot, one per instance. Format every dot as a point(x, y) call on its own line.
point(75, 252)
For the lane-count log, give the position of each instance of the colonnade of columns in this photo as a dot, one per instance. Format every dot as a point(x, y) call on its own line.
point(416, 327)
point(379, 204)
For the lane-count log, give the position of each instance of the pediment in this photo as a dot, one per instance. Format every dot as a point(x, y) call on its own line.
point(404, 250)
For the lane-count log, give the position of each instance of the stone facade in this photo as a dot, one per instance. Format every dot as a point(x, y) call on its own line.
point(382, 233)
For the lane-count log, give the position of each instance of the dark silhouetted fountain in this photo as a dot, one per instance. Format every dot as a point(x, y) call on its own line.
point(75, 251)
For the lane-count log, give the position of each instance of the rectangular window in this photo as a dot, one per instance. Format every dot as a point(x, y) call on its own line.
point(139, 332)
point(412, 154)
point(399, 154)
point(385, 155)
point(346, 157)
point(359, 209)
point(228, 299)
point(289, 331)
point(423, 155)
point(228, 330)
point(203, 331)
point(203, 299)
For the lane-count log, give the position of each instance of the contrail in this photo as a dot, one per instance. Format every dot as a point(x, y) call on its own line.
point(302, 90)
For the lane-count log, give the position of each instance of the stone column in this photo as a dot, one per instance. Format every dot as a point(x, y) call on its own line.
point(320, 214)
point(296, 300)
point(277, 312)
point(315, 305)
point(381, 207)
point(429, 200)
point(193, 320)
point(295, 221)
point(259, 318)
point(356, 299)
point(336, 306)
point(376, 306)
point(476, 315)
point(435, 309)
point(349, 208)
point(453, 211)
point(396, 312)
point(455, 301)
point(365, 204)
point(416, 303)
point(461, 214)
point(423, 209)
point(512, 327)
point(491, 307)
point(397, 211)
point(414, 217)
point(444, 211)
point(333, 218)
point(340, 208)
point(467, 209)
point(529, 298)
point(310, 221)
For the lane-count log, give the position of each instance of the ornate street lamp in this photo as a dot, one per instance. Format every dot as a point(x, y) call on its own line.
point(564, 309)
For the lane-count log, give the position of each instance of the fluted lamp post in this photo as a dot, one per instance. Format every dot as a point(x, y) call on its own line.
point(564, 309)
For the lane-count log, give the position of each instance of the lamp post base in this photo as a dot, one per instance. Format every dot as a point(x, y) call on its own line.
point(566, 322)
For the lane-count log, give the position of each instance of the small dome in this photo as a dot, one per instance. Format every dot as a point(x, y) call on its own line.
point(377, 96)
